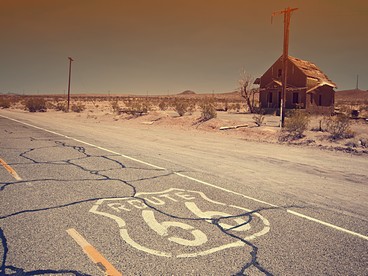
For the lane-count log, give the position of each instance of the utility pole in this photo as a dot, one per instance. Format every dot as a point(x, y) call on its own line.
point(285, 56)
point(357, 83)
point(70, 75)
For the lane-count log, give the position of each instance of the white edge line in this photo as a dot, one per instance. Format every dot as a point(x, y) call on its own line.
point(86, 143)
point(197, 180)
point(223, 189)
point(328, 224)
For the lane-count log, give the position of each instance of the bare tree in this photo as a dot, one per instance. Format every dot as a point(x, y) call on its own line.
point(246, 89)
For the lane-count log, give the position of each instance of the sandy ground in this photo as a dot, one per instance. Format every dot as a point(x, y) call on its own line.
point(269, 132)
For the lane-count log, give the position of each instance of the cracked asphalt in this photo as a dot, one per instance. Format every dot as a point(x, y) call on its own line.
point(155, 202)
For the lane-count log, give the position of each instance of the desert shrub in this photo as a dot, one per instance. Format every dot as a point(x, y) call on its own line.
point(181, 106)
point(259, 117)
point(295, 124)
point(230, 106)
point(146, 106)
point(115, 106)
point(94, 102)
point(357, 142)
point(364, 142)
point(226, 107)
point(78, 107)
point(61, 106)
point(4, 102)
point(191, 106)
point(237, 106)
point(163, 105)
point(339, 127)
point(35, 104)
point(346, 109)
point(50, 105)
point(208, 110)
point(135, 107)
point(363, 107)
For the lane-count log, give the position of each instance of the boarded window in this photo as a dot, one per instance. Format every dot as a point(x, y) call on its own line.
point(295, 97)
point(311, 98)
point(269, 98)
point(279, 73)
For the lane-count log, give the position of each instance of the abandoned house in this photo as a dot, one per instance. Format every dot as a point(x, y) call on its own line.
point(307, 87)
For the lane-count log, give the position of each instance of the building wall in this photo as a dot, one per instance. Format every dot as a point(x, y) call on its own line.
point(295, 77)
point(289, 101)
point(322, 98)
point(301, 99)
point(264, 98)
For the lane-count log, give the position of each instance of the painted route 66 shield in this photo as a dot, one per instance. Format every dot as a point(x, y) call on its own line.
point(181, 223)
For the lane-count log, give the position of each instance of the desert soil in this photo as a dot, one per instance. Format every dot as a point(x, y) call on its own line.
point(190, 124)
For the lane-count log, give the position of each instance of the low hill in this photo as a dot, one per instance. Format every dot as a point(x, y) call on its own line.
point(353, 95)
point(187, 92)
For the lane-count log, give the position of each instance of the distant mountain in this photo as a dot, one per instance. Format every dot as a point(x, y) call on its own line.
point(187, 92)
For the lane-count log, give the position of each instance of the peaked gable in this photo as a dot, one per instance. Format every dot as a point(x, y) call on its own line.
point(311, 70)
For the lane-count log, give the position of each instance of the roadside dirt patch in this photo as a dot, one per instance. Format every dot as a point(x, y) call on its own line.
point(231, 123)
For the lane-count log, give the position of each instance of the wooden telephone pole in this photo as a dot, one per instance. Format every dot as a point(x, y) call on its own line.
point(285, 56)
point(70, 76)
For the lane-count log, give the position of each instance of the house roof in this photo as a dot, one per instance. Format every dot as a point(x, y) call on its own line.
point(278, 83)
point(312, 71)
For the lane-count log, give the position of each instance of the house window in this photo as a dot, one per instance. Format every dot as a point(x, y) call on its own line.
point(320, 100)
point(279, 73)
point(269, 98)
point(295, 97)
point(311, 98)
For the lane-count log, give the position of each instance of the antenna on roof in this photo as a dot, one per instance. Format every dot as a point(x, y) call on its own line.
point(357, 83)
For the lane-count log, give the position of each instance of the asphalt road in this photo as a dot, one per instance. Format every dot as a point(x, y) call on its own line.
point(81, 199)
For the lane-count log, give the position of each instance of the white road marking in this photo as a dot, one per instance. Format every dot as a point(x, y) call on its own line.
point(192, 206)
point(86, 143)
point(327, 224)
point(196, 180)
point(178, 198)
point(224, 189)
point(162, 228)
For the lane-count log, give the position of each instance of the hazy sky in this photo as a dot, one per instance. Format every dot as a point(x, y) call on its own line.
point(168, 46)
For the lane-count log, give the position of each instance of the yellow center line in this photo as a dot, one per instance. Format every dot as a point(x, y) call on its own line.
point(10, 170)
point(107, 268)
